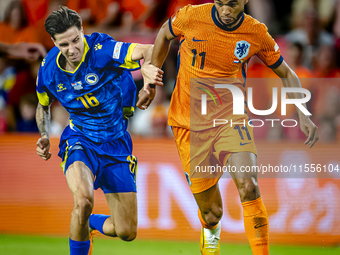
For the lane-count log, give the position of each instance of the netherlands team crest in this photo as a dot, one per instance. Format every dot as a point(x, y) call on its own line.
point(242, 49)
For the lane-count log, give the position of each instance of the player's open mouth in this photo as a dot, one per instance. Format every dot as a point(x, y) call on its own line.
point(75, 56)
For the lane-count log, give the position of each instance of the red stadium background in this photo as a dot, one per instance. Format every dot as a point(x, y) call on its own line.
point(34, 197)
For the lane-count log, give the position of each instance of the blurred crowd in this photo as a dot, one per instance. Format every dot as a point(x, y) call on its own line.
point(307, 31)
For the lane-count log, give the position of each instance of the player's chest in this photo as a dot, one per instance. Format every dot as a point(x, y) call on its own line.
point(219, 47)
point(67, 87)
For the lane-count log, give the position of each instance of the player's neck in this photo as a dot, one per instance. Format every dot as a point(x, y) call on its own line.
point(71, 66)
point(239, 18)
point(67, 65)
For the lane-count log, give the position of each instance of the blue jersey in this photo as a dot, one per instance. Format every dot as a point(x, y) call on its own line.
point(93, 92)
point(129, 96)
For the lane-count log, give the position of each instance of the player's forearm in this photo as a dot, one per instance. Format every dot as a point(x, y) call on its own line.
point(141, 51)
point(43, 118)
point(147, 55)
point(161, 49)
point(292, 81)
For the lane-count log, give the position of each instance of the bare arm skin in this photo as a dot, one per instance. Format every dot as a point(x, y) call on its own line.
point(153, 73)
point(162, 45)
point(159, 54)
point(43, 118)
point(290, 79)
point(141, 51)
point(150, 73)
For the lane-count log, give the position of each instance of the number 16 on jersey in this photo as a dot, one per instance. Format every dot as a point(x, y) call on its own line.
point(86, 100)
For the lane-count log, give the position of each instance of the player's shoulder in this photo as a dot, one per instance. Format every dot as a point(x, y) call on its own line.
point(51, 57)
point(254, 24)
point(195, 9)
point(100, 44)
point(49, 63)
point(96, 38)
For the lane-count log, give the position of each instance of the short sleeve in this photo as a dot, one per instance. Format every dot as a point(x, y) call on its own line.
point(270, 52)
point(120, 54)
point(178, 22)
point(44, 96)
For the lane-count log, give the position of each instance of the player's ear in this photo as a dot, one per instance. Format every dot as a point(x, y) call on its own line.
point(82, 30)
point(245, 2)
point(53, 41)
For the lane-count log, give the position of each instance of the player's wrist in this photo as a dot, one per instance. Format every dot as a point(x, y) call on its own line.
point(45, 135)
point(302, 115)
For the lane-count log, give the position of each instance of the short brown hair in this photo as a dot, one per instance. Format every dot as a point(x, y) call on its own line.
point(61, 20)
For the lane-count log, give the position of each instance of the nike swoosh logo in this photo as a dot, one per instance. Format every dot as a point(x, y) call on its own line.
point(259, 226)
point(195, 40)
point(243, 144)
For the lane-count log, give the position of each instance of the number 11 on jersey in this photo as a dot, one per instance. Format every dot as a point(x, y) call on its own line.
point(202, 55)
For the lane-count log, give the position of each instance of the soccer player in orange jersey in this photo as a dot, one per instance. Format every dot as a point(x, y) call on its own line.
point(216, 41)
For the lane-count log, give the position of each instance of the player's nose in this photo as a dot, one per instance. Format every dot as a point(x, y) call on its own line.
point(225, 10)
point(71, 49)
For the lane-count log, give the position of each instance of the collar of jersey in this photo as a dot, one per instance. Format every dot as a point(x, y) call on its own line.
point(224, 27)
point(86, 49)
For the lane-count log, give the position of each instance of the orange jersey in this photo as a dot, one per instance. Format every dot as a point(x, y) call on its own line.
point(210, 50)
point(26, 34)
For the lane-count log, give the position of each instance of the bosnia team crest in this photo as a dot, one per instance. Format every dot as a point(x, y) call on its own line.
point(242, 49)
point(91, 78)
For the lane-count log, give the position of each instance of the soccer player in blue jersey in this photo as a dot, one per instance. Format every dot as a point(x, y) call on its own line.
point(90, 76)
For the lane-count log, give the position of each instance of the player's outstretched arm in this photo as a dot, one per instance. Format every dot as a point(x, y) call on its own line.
point(43, 118)
point(160, 51)
point(159, 54)
point(162, 45)
point(28, 51)
point(153, 74)
point(290, 79)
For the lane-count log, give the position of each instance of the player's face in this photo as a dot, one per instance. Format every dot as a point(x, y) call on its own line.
point(71, 44)
point(230, 11)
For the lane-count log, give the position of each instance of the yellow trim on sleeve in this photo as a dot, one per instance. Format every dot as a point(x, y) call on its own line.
point(44, 100)
point(86, 49)
point(129, 63)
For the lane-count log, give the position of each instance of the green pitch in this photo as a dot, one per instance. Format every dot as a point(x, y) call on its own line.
point(33, 245)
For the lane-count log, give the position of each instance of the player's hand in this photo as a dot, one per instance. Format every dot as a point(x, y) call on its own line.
point(310, 130)
point(151, 75)
point(145, 99)
point(43, 148)
point(28, 51)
